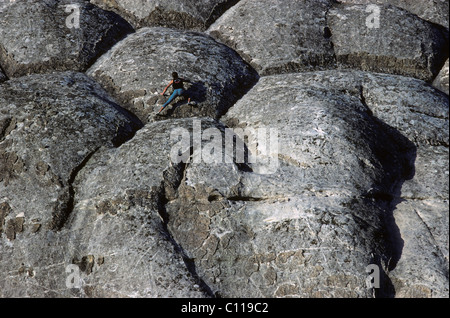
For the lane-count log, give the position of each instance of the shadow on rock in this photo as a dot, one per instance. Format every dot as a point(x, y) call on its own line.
point(402, 168)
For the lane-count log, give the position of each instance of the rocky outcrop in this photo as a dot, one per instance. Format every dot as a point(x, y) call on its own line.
point(315, 152)
point(185, 15)
point(417, 49)
point(42, 36)
point(49, 126)
point(338, 222)
point(421, 211)
point(137, 69)
point(278, 36)
point(418, 115)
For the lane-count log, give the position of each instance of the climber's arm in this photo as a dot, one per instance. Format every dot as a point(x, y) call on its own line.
point(165, 89)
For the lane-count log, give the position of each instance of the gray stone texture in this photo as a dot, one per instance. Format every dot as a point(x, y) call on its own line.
point(182, 14)
point(137, 69)
point(49, 125)
point(278, 36)
point(42, 36)
point(417, 48)
point(94, 201)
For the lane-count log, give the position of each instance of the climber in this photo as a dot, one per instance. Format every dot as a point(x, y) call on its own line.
point(178, 89)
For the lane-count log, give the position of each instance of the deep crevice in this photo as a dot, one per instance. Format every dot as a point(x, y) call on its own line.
point(169, 188)
point(218, 11)
point(61, 215)
point(328, 34)
point(388, 199)
point(123, 134)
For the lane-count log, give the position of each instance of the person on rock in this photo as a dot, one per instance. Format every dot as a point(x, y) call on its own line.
point(178, 89)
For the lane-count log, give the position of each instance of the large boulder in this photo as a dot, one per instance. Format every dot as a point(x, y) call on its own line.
point(417, 114)
point(322, 215)
point(114, 243)
point(278, 36)
point(49, 126)
point(136, 70)
point(184, 14)
point(417, 49)
point(421, 213)
point(41, 36)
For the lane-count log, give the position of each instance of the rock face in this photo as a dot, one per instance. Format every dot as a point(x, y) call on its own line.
point(185, 14)
point(417, 49)
point(117, 214)
point(422, 213)
point(41, 36)
point(137, 69)
point(278, 36)
point(314, 226)
point(49, 125)
point(316, 151)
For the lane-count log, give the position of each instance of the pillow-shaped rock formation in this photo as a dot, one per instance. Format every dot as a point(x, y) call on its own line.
point(137, 69)
point(42, 36)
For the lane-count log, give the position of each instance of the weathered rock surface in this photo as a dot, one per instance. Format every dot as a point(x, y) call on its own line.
point(185, 14)
point(278, 36)
point(435, 11)
point(315, 226)
point(417, 48)
point(420, 206)
point(441, 81)
point(114, 235)
point(351, 169)
point(42, 36)
point(136, 70)
point(420, 210)
point(49, 126)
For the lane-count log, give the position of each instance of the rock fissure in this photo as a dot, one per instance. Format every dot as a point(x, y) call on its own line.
point(169, 191)
point(60, 217)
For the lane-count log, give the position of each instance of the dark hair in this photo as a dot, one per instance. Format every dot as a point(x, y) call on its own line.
point(175, 75)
